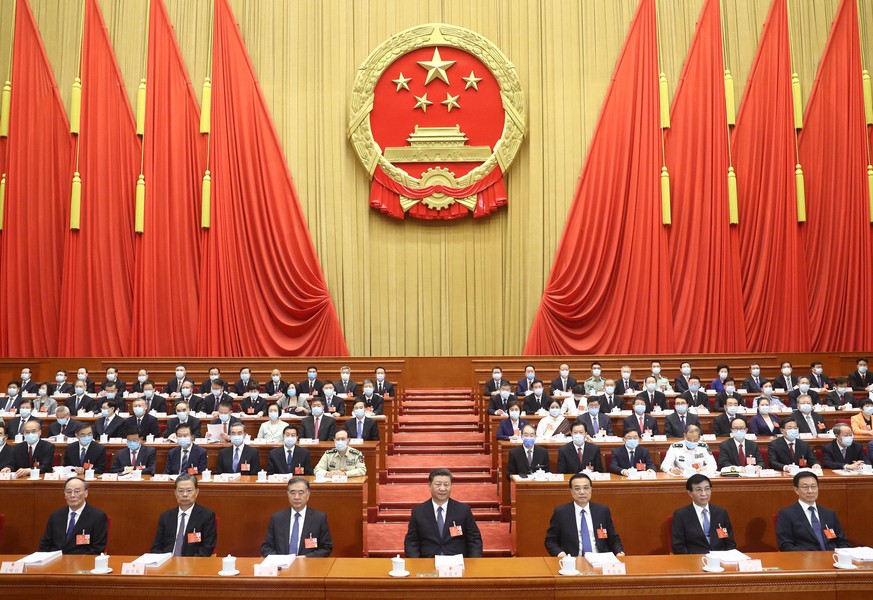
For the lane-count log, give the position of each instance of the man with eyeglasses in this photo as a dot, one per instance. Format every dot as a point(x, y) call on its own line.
point(77, 529)
point(301, 530)
point(804, 526)
point(189, 529)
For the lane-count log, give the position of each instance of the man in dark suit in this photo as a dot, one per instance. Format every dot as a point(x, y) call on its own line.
point(678, 421)
point(309, 531)
point(135, 457)
point(729, 391)
point(493, 385)
point(189, 529)
point(441, 525)
point(701, 527)
point(187, 456)
point(738, 451)
point(807, 420)
point(373, 401)
point(754, 382)
point(312, 385)
point(109, 423)
point(28, 385)
point(346, 387)
point(652, 396)
point(527, 458)
point(579, 455)
point(537, 400)
point(63, 423)
point(649, 424)
point(86, 453)
point(61, 385)
point(817, 378)
point(582, 515)
point(238, 457)
point(276, 386)
point(804, 526)
point(803, 387)
point(844, 452)
point(625, 384)
point(175, 385)
point(215, 397)
point(145, 423)
point(841, 394)
point(563, 382)
point(610, 398)
point(112, 377)
point(683, 380)
point(83, 376)
point(154, 401)
point(631, 456)
point(80, 400)
point(13, 398)
point(183, 417)
point(499, 403)
point(860, 379)
point(214, 375)
point(333, 405)
point(788, 450)
point(5, 451)
point(195, 402)
point(289, 458)
point(317, 426)
point(79, 528)
point(383, 386)
point(226, 419)
point(34, 453)
point(594, 420)
point(786, 381)
point(524, 387)
point(721, 424)
point(16, 425)
point(694, 395)
point(361, 426)
point(136, 387)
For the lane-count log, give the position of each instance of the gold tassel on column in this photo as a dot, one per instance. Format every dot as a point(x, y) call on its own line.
point(868, 97)
point(797, 98)
point(206, 106)
point(666, 219)
point(664, 94)
point(76, 105)
point(870, 189)
point(5, 104)
point(141, 107)
point(2, 198)
point(76, 201)
point(729, 98)
point(800, 191)
point(733, 211)
point(139, 223)
point(206, 201)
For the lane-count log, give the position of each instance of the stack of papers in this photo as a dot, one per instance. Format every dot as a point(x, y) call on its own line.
point(449, 560)
point(153, 559)
point(598, 559)
point(728, 556)
point(41, 558)
point(861, 553)
point(281, 561)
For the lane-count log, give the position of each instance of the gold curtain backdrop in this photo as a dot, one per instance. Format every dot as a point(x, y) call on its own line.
point(419, 288)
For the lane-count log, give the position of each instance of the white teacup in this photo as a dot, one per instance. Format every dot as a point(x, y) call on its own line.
point(844, 560)
point(867, 469)
point(568, 564)
point(398, 565)
point(711, 562)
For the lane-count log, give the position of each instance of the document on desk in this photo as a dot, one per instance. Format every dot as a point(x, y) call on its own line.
point(213, 432)
point(860, 553)
point(728, 556)
point(448, 560)
point(151, 559)
point(598, 559)
point(41, 558)
point(281, 561)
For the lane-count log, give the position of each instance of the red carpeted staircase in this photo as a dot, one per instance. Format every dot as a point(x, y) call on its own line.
point(437, 428)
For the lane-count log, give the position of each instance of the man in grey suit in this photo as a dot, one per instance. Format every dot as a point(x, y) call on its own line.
point(299, 530)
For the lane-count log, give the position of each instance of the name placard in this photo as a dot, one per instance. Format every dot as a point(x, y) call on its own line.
point(262, 570)
point(12, 566)
point(130, 568)
point(617, 568)
point(750, 566)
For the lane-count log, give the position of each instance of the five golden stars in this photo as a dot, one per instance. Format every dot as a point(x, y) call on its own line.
point(437, 68)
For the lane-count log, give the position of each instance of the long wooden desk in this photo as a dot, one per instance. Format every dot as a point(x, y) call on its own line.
point(641, 508)
point(805, 575)
point(243, 509)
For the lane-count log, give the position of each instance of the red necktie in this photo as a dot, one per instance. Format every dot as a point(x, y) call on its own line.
point(791, 450)
point(317, 419)
point(133, 458)
point(30, 455)
point(642, 426)
point(742, 455)
point(579, 452)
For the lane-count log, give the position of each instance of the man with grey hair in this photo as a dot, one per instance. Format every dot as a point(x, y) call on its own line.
point(79, 528)
point(300, 530)
point(844, 452)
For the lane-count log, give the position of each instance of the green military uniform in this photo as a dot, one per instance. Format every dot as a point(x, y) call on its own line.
point(352, 462)
point(663, 383)
point(594, 386)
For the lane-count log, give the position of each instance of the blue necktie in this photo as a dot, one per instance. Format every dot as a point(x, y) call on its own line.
point(816, 527)
point(295, 535)
point(180, 537)
point(360, 429)
point(290, 460)
point(72, 525)
point(441, 524)
point(706, 525)
point(236, 460)
point(595, 425)
point(82, 457)
point(583, 533)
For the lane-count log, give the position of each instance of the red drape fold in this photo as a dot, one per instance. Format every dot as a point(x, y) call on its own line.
point(838, 238)
point(609, 288)
point(167, 272)
point(263, 291)
point(704, 248)
point(774, 267)
point(98, 259)
point(37, 200)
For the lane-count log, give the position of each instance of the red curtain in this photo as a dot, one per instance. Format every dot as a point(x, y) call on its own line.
point(263, 291)
point(837, 237)
point(98, 259)
point(704, 247)
point(167, 273)
point(774, 267)
point(37, 200)
point(609, 288)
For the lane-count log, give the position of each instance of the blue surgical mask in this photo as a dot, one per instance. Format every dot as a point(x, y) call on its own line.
point(292, 392)
point(138, 411)
point(25, 412)
point(504, 394)
point(224, 417)
point(694, 387)
point(732, 410)
point(148, 393)
point(31, 438)
point(791, 434)
point(86, 440)
point(847, 440)
point(380, 377)
point(555, 412)
point(651, 387)
point(133, 445)
point(690, 445)
point(358, 412)
point(245, 376)
point(368, 391)
point(274, 416)
point(514, 414)
point(80, 391)
point(729, 389)
point(804, 387)
point(317, 411)
point(681, 408)
point(186, 392)
point(529, 442)
point(341, 445)
point(805, 408)
point(110, 395)
point(868, 410)
point(217, 392)
point(183, 415)
point(237, 440)
point(631, 444)
point(639, 409)
point(593, 410)
point(768, 391)
point(184, 441)
point(12, 391)
point(578, 438)
point(739, 435)
point(530, 376)
point(104, 412)
point(290, 442)
point(765, 409)
point(63, 421)
point(311, 376)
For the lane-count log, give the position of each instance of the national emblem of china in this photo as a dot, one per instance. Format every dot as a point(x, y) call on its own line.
point(437, 116)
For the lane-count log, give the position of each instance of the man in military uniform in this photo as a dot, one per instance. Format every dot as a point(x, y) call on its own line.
point(662, 383)
point(594, 384)
point(341, 460)
point(689, 456)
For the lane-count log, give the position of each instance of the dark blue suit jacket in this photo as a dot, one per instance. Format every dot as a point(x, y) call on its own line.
point(92, 522)
point(621, 460)
point(145, 459)
point(562, 535)
point(794, 533)
point(505, 429)
point(314, 525)
point(687, 534)
point(423, 539)
point(196, 458)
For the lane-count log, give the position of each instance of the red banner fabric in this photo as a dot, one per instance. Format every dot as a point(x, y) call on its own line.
point(37, 200)
point(167, 273)
point(262, 288)
point(609, 288)
point(98, 259)
point(704, 247)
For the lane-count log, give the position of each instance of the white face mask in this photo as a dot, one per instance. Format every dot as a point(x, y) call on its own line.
point(110, 377)
point(651, 387)
point(610, 389)
point(686, 371)
point(142, 378)
point(565, 373)
point(496, 376)
point(786, 371)
point(656, 370)
point(276, 378)
point(756, 372)
point(180, 374)
point(538, 392)
point(555, 412)
point(625, 375)
point(344, 377)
